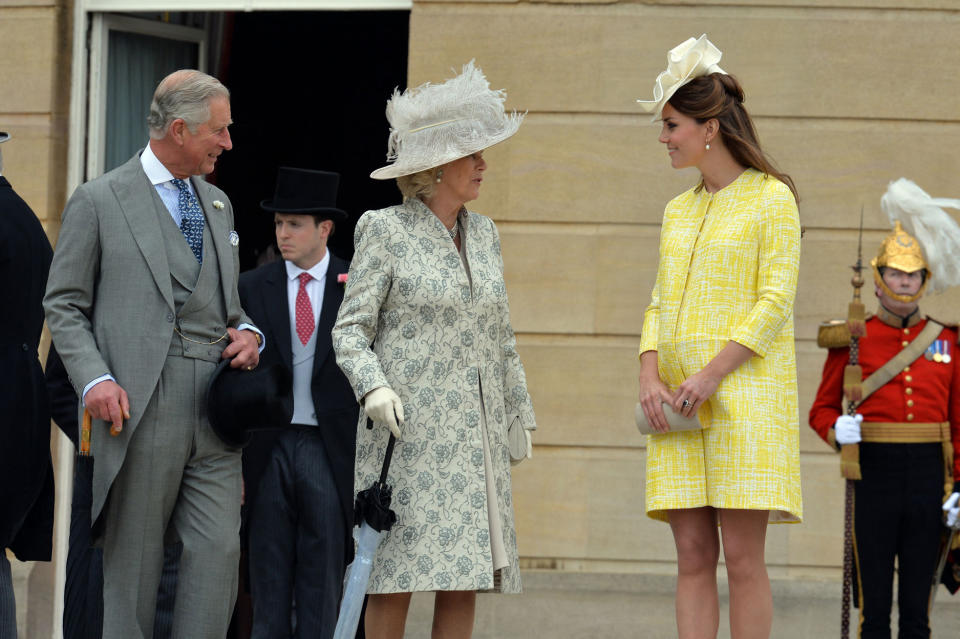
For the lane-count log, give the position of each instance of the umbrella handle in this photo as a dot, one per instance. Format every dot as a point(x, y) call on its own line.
point(84, 448)
point(387, 456)
point(386, 459)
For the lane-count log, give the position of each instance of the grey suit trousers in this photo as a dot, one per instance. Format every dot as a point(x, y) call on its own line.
point(177, 478)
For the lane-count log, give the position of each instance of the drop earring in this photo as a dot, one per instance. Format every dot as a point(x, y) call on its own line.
point(439, 175)
point(708, 146)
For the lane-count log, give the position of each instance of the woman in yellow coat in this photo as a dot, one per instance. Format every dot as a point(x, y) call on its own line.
point(717, 342)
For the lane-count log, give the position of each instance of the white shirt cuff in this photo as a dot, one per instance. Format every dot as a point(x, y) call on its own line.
point(263, 338)
point(86, 389)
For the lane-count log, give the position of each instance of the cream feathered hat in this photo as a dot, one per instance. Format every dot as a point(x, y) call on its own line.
point(938, 234)
point(433, 124)
point(688, 60)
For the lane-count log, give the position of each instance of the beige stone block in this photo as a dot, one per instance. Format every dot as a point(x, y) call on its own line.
point(579, 278)
point(28, 66)
point(819, 540)
point(584, 390)
point(27, 158)
point(586, 279)
point(792, 61)
point(575, 502)
point(589, 168)
point(581, 502)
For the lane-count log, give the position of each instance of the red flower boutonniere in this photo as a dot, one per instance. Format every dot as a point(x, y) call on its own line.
point(342, 278)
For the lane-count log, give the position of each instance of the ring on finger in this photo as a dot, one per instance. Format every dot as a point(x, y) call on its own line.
point(686, 403)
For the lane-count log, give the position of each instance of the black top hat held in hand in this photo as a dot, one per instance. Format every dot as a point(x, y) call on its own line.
point(240, 401)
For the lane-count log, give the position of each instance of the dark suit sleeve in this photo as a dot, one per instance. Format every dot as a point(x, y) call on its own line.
point(63, 399)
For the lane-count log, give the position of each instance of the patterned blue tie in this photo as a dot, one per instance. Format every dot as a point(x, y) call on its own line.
point(191, 218)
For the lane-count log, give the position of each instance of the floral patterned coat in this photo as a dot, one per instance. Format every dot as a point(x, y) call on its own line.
point(410, 320)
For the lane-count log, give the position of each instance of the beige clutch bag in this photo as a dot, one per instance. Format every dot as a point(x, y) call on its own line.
point(674, 420)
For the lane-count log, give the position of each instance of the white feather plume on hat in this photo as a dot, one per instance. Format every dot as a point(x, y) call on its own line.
point(433, 124)
point(935, 230)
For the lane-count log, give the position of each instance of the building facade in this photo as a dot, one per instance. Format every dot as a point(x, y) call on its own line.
point(845, 98)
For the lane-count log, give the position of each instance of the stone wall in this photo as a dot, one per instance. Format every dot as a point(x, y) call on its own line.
point(845, 99)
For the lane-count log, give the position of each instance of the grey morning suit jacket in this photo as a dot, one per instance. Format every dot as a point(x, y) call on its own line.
point(109, 299)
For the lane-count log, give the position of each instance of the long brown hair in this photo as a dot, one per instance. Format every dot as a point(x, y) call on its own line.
point(720, 96)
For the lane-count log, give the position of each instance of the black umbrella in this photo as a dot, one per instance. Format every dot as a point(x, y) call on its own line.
point(374, 518)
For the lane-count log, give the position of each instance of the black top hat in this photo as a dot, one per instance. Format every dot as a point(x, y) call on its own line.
point(4, 136)
point(240, 401)
point(306, 192)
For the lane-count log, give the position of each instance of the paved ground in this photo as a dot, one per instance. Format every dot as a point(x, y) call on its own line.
point(598, 606)
point(626, 606)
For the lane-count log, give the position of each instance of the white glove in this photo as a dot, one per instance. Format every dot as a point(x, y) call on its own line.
point(383, 405)
point(952, 510)
point(847, 429)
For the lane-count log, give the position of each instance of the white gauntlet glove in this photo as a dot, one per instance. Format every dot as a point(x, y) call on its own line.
point(952, 510)
point(847, 429)
point(383, 405)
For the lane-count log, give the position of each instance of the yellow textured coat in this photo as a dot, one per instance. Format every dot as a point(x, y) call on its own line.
point(728, 271)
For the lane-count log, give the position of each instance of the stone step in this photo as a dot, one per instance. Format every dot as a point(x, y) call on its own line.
point(597, 606)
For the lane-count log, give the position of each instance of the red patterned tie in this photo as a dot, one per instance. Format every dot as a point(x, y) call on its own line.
point(304, 310)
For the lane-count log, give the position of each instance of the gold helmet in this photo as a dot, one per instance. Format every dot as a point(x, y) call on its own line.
point(901, 251)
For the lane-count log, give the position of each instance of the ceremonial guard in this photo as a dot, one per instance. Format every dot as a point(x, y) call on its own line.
point(896, 413)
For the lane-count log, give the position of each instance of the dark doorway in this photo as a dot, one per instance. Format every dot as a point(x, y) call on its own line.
point(308, 89)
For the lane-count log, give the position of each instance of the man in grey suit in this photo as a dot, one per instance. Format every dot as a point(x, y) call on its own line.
point(142, 303)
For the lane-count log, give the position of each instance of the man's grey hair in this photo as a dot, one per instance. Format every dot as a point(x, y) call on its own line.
point(185, 95)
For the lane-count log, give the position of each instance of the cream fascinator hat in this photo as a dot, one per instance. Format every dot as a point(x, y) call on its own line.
point(433, 124)
point(938, 234)
point(685, 62)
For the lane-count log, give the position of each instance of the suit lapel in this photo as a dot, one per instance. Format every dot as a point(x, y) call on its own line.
point(138, 199)
point(217, 219)
point(332, 297)
point(276, 307)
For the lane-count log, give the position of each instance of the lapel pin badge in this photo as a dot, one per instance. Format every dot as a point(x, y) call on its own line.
point(234, 239)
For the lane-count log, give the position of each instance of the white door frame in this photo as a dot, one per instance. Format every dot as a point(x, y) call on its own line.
point(100, 27)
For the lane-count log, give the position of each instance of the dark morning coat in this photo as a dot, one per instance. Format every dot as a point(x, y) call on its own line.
point(26, 473)
point(263, 294)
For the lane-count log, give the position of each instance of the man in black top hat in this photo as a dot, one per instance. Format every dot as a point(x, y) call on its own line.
point(26, 476)
point(299, 481)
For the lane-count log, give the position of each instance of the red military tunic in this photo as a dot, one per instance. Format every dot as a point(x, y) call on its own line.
point(925, 391)
point(896, 508)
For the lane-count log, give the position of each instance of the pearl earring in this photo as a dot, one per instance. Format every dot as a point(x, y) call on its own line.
point(708, 146)
point(439, 175)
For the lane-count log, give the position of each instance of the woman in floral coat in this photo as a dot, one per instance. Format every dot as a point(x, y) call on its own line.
point(424, 337)
point(717, 342)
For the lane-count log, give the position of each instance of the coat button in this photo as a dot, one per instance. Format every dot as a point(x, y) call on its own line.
point(909, 402)
point(909, 417)
point(909, 391)
point(908, 378)
point(904, 343)
point(169, 317)
point(25, 347)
